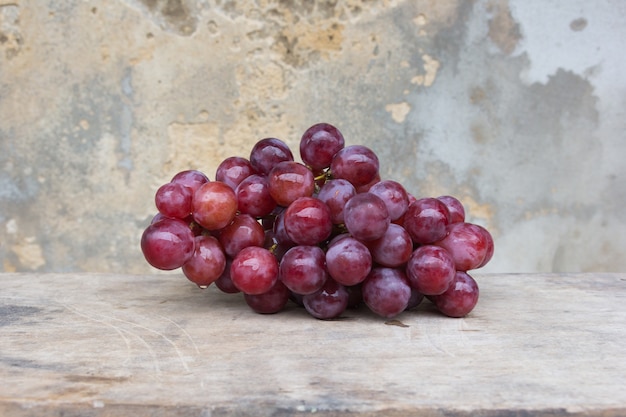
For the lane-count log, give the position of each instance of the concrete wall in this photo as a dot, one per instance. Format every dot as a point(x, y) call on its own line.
point(516, 107)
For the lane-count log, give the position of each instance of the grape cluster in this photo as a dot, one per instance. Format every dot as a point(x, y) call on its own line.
point(327, 234)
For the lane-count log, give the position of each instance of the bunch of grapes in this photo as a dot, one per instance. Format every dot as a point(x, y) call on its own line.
point(327, 234)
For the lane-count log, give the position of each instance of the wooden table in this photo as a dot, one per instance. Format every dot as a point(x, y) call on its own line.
point(118, 345)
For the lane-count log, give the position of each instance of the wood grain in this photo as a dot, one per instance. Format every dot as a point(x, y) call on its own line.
point(115, 345)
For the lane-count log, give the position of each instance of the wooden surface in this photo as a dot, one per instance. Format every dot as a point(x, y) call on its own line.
point(110, 345)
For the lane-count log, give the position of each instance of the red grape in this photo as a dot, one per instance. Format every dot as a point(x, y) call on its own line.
point(269, 302)
point(253, 196)
point(268, 152)
point(319, 144)
point(307, 221)
point(426, 220)
point(207, 262)
point(348, 261)
point(393, 195)
point(356, 163)
point(328, 302)
point(336, 193)
point(242, 232)
point(386, 291)
point(167, 243)
point(302, 269)
point(467, 244)
point(214, 205)
point(366, 217)
point(460, 298)
point(254, 270)
point(233, 170)
point(393, 249)
point(191, 178)
point(430, 269)
point(289, 180)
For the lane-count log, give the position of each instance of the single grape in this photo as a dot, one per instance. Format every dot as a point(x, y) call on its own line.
point(174, 200)
point(268, 152)
point(254, 270)
point(207, 262)
point(319, 144)
point(242, 232)
point(356, 163)
point(386, 291)
point(289, 180)
point(393, 249)
point(167, 243)
point(328, 302)
point(307, 221)
point(426, 220)
point(191, 178)
point(214, 205)
point(302, 269)
point(348, 261)
point(430, 269)
point(455, 207)
point(467, 243)
point(233, 170)
point(393, 195)
point(253, 196)
point(336, 193)
point(460, 298)
point(269, 302)
point(224, 283)
point(366, 217)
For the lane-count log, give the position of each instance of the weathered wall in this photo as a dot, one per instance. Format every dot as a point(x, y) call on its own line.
point(515, 107)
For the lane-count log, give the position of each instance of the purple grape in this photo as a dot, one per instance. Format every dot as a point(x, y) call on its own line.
point(394, 196)
point(348, 261)
point(328, 302)
point(167, 243)
point(455, 207)
point(242, 232)
point(356, 163)
point(289, 180)
point(336, 193)
point(319, 144)
point(268, 152)
point(302, 269)
point(460, 298)
point(191, 178)
point(393, 249)
point(233, 170)
point(253, 196)
point(307, 221)
point(207, 262)
point(174, 200)
point(366, 217)
point(426, 220)
point(468, 244)
point(386, 291)
point(269, 302)
point(430, 269)
point(254, 270)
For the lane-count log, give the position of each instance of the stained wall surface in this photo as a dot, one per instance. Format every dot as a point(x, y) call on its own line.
point(515, 107)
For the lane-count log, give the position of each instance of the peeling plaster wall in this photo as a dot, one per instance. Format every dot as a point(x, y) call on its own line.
point(515, 107)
